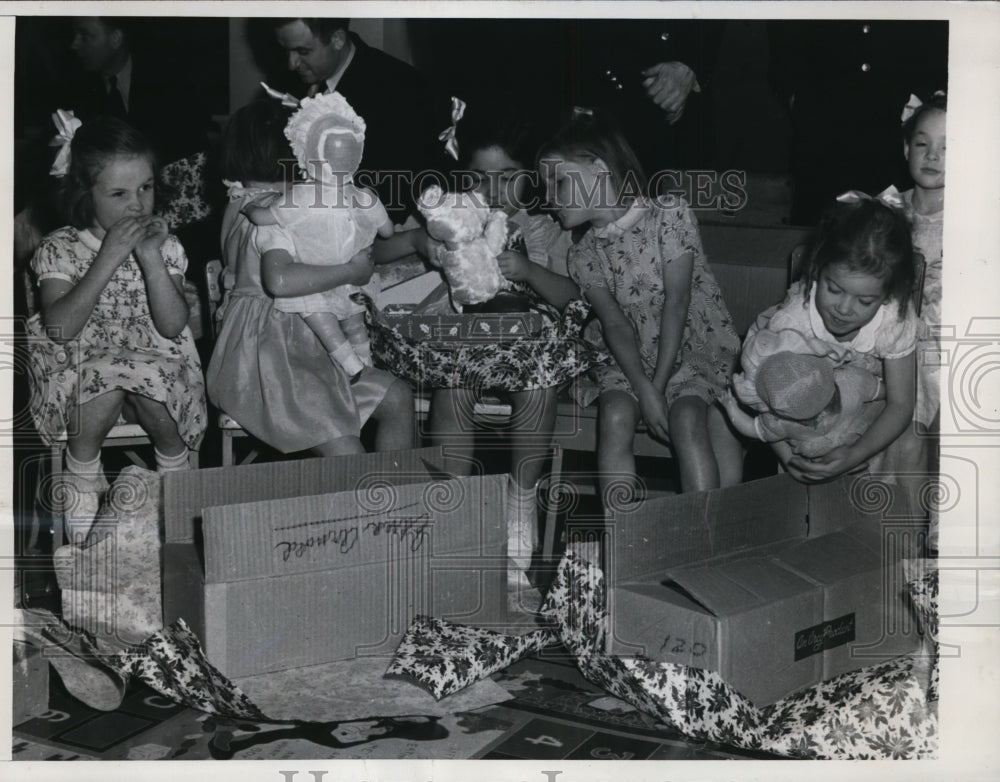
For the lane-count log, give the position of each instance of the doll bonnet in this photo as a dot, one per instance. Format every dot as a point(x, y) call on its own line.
point(327, 137)
point(796, 386)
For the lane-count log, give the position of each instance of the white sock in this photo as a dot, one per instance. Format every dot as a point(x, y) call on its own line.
point(88, 469)
point(522, 524)
point(165, 463)
point(347, 359)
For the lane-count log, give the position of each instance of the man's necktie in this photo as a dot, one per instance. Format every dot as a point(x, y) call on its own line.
point(115, 105)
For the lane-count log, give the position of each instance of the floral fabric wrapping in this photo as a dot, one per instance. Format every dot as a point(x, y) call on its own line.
point(172, 663)
point(445, 657)
point(547, 360)
point(878, 712)
point(185, 201)
point(112, 587)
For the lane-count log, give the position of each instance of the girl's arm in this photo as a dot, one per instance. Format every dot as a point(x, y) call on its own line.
point(556, 289)
point(900, 391)
point(283, 277)
point(677, 298)
point(620, 338)
point(401, 244)
point(65, 307)
point(164, 290)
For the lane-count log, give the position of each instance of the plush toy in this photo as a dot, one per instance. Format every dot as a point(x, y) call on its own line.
point(472, 236)
point(813, 402)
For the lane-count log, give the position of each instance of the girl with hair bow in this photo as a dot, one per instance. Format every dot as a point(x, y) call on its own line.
point(111, 339)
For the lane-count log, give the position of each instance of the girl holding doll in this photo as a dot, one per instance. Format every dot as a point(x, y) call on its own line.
point(855, 295)
point(641, 266)
point(269, 370)
point(111, 339)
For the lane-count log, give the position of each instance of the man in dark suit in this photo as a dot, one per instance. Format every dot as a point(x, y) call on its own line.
point(153, 96)
point(402, 113)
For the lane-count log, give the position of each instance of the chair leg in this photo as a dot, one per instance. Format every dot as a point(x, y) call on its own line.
point(555, 475)
point(57, 511)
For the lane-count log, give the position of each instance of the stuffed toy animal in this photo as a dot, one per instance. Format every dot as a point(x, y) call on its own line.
point(472, 236)
point(813, 402)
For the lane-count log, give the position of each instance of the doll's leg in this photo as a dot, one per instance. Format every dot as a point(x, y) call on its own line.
point(169, 448)
point(356, 331)
point(617, 416)
point(84, 481)
point(327, 328)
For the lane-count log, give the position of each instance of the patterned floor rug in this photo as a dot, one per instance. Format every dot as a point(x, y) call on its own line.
point(554, 714)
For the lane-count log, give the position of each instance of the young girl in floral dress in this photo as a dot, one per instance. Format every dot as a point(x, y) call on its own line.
point(111, 338)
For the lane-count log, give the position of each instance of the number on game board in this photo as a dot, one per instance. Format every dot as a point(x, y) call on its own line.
point(548, 741)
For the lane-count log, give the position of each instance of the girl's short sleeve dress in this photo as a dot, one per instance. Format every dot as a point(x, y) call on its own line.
point(118, 348)
point(269, 371)
point(627, 259)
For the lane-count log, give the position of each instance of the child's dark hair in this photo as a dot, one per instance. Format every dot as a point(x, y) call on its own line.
point(254, 146)
point(937, 102)
point(867, 237)
point(590, 136)
point(94, 145)
point(508, 130)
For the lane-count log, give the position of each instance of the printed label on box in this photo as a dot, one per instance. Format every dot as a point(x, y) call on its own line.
point(825, 635)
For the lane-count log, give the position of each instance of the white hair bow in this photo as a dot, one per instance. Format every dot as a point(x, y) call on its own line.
point(448, 135)
point(66, 127)
point(912, 105)
point(891, 197)
point(286, 99)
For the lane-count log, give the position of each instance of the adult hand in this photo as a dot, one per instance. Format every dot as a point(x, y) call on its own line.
point(514, 266)
point(668, 85)
point(824, 468)
point(653, 407)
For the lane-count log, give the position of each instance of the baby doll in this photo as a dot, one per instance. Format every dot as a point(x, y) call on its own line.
point(328, 220)
point(812, 402)
point(472, 236)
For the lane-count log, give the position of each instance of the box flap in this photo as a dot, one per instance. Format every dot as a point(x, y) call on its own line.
point(676, 530)
point(740, 585)
point(186, 492)
point(326, 531)
point(830, 558)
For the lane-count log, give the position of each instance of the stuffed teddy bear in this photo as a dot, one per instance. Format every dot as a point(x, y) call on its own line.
point(472, 236)
point(815, 403)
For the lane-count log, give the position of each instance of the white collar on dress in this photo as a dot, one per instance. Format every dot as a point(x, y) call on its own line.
point(617, 228)
point(864, 340)
point(90, 241)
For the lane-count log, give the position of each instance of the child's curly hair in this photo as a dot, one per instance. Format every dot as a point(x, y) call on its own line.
point(868, 237)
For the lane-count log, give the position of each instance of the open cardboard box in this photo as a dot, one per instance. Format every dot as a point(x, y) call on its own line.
point(298, 563)
point(774, 585)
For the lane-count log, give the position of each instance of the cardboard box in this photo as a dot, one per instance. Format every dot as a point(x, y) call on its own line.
point(735, 581)
point(30, 695)
point(313, 578)
point(478, 327)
